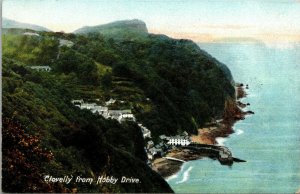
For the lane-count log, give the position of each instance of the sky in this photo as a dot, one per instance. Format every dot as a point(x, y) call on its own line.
point(199, 20)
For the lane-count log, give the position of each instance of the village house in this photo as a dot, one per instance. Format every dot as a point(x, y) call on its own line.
point(120, 115)
point(115, 114)
point(126, 117)
point(102, 110)
point(77, 102)
point(159, 146)
point(111, 101)
point(149, 156)
point(41, 68)
point(67, 43)
point(146, 132)
point(150, 144)
point(155, 152)
point(30, 34)
point(152, 153)
point(164, 138)
point(88, 106)
point(185, 134)
point(179, 140)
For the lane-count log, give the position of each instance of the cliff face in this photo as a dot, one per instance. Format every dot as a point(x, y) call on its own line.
point(170, 85)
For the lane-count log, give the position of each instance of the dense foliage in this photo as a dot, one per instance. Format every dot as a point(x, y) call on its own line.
point(171, 86)
point(24, 160)
point(81, 143)
point(186, 86)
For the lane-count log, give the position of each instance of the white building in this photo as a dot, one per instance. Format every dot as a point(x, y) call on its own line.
point(102, 110)
point(41, 68)
point(150, 156)
point(164, 137)
point(178, 140)
point(88, 106)
point(67, 43)
point(120, 115)
point(185, 133)
point(155, 152)
point(126, 117)
point(30, 34)
point(111, 101)
point(150, 144)
point(115, 114)
point(77, 101)
point(146, 132)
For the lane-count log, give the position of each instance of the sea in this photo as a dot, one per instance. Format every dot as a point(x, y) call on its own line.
point(269, 140)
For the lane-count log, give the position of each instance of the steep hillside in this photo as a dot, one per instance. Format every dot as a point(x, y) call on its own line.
point(170, 85)
point(71, 141)
point(176, 75)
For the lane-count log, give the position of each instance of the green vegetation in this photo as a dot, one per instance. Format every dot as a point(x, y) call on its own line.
point(175, 74)
point(30, 50)
point(170, 85)
point(126, 29)
point(81, 143)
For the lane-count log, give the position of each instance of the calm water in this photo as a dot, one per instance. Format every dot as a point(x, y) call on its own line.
point(268, 140)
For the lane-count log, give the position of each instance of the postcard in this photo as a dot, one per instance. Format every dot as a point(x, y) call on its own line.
point(150, 96)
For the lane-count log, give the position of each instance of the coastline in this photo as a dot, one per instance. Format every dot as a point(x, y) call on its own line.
point(206, 135)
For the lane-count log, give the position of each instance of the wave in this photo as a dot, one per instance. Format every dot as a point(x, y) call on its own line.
point(174, 176)
point(185, 175)
point(239, 132)
point(220, 140)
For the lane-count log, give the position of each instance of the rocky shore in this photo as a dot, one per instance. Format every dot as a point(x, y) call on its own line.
point(207, 135)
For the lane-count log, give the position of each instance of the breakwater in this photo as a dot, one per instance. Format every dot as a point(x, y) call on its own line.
point(221, 153)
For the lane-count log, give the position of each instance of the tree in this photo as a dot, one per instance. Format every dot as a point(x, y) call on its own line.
point(23, 159)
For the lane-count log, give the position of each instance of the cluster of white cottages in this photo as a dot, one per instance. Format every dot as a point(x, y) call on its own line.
point(119, 115)
point(152, 150)
point(122, 115)
point(41, 68)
